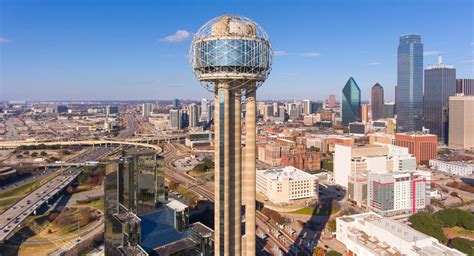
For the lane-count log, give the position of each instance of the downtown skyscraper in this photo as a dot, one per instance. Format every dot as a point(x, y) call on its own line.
point(351, 102)
point(409, 90)
point(440, 84)
point(377, 102)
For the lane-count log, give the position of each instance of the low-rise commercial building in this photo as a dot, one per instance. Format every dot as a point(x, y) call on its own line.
point(423, 146)
point(286, 184)
point(456, 168)
point(370, 234)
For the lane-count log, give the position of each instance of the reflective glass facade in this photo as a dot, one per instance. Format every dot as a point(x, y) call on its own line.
point(134, 184)
point(440, 83)
point(409, 95)
point(350, 109)
point(231, 55)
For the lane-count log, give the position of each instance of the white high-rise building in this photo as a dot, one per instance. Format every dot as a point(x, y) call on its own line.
point(307, 107)
point(204, 110)
point(193, 115)
point(147, 109)
point(398, 192)
point(356, 161)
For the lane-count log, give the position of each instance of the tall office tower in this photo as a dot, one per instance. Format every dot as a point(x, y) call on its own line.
point(409, 92)
point(268, 113)
point(389, 110)
point(174, 118)
point(461, 122)
point(307, 107)
point(193, 112)
point(350, 103)
point(332, 101)
point(111, 110)
point(440, 84)
point(62, 109)
point(281, 113)
point(204, 110)
point(276, 105)
point(465, 86)
point(377, 102)
point(261, 108)
point(317, 107)
point(183, 119)
point(364, 113)
point(231, 56)
point(176, 103)
point(147, 109)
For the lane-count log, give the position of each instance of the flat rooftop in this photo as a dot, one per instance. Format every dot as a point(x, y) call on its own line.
point(288, 172)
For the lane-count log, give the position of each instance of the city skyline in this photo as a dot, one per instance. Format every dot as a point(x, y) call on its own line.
point(110, 53)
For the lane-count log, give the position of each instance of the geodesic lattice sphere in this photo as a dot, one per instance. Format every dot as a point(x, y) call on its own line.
point(231, 49)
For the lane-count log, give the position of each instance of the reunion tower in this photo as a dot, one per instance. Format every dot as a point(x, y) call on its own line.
point(231, 56)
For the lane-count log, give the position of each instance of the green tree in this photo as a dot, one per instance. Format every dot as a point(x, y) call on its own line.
point(463, 245)
point(333, 253)
point(43, 153)
point(428, 224)
point(331, 225)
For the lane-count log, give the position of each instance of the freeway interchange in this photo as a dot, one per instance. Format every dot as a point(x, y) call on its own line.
point(12, 218)
point(17, 213)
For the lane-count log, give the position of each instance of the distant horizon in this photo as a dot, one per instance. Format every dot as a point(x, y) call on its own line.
point(68, 51)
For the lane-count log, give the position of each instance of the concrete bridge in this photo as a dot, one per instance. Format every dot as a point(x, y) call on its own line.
point(15, 144)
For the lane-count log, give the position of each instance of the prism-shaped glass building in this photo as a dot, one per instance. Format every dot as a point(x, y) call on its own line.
point(350, 104)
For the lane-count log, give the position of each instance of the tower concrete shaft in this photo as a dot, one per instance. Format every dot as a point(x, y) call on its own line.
point(249, 185)
point(228, 170)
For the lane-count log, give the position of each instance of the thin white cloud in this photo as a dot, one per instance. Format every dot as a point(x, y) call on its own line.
point(468, 61)
point(431, 53)
point(4, 40)
point(311, 54)
point(375, 63)
point(179, 36)
point(280, 53)
point(289, 73)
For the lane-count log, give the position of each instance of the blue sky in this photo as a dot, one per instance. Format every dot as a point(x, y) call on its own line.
point(112, 50)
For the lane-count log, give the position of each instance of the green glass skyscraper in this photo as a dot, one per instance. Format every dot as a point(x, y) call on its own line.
point(350, 109)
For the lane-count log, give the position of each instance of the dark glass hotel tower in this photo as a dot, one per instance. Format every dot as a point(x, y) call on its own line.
point(409, 99)
point(440, 83)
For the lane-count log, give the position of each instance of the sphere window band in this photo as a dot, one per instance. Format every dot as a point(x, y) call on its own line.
point(232, 56)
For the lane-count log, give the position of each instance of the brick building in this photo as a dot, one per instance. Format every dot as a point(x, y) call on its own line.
point(423, 146)
point(302, 158)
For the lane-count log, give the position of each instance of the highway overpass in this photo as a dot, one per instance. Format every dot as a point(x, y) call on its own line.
point(11, 219)
point(15, 144)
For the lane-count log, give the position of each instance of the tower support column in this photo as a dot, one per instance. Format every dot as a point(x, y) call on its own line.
point(228, 171)
point(249, 175)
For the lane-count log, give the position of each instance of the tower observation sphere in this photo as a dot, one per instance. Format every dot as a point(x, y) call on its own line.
point(231, 56)
point(231, 48)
